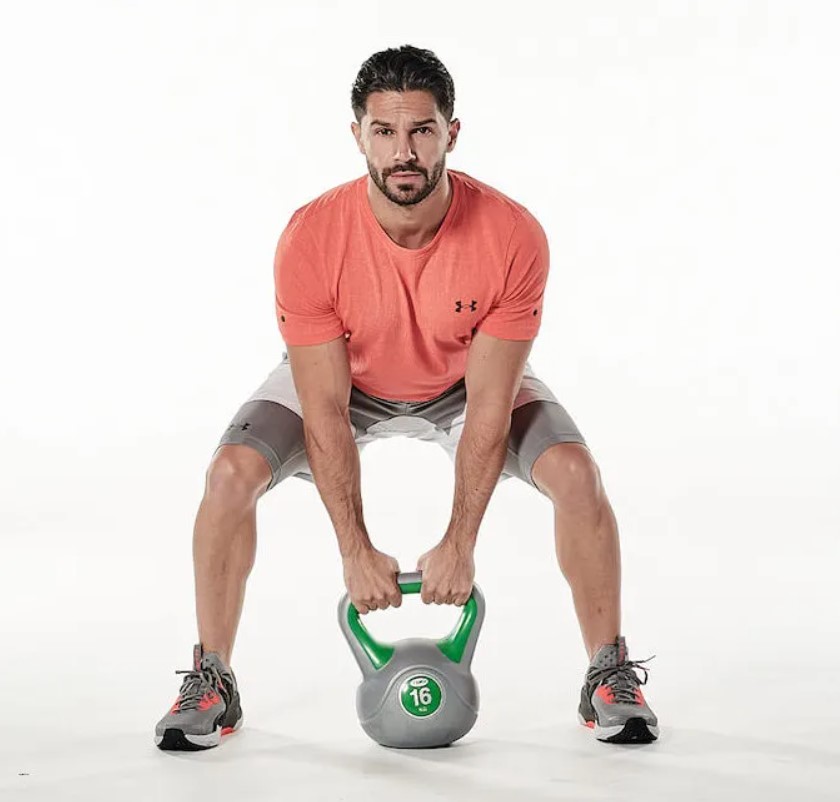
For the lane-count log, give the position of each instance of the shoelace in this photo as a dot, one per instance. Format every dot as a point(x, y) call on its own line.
point(196, 684)
point(622, 679)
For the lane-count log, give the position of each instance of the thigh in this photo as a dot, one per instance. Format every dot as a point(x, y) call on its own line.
point(538, 421)
point(534, 427)
point(271, 421)
point(276, 432)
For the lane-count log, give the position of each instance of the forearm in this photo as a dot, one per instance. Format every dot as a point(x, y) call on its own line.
point(334, 461)
point(478, 463)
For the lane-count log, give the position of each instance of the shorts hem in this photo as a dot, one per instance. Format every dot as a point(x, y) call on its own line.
point(545, 445)
point(245, 439)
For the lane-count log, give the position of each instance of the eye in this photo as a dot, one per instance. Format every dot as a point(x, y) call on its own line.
point(384, 131)
point(424, 128)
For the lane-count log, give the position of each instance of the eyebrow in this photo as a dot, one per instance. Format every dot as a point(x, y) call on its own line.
point(414, 124)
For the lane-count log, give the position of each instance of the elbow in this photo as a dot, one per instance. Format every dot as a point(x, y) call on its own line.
point(324, 425)
point(490, 427)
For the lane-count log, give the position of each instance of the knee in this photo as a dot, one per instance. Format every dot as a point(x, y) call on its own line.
point(568, 474)
point(237, 475)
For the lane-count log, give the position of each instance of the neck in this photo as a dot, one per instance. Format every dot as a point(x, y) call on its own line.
point(416, 225)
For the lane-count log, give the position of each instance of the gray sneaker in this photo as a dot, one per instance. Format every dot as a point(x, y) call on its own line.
point(611, 702)
point(207, 706)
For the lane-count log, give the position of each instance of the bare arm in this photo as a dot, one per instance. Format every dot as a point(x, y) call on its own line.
point(494, 372)
point(322, 380)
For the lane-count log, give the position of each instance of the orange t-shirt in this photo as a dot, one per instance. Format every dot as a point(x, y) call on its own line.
point(408, 315)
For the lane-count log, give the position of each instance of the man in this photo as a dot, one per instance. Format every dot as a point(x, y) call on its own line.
point(401, 296)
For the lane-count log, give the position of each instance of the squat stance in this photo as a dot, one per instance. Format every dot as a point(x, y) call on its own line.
point(408, 300)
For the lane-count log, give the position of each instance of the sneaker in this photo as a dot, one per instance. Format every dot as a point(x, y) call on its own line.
point(207, 706)
point(611, 702)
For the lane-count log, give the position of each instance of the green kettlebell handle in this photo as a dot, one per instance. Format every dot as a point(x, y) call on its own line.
point(452, 646)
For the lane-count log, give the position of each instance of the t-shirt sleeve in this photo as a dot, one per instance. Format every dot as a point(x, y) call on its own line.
point(305, 312)
point(517, 313)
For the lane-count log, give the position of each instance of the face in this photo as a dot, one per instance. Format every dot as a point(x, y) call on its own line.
point(405, 140)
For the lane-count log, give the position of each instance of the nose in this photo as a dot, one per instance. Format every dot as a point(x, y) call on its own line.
point(404, 153)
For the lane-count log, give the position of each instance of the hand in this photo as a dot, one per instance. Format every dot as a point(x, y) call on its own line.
point(371, 580)
point(448, 574)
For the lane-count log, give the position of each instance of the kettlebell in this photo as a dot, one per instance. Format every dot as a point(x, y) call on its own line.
point(416, 693)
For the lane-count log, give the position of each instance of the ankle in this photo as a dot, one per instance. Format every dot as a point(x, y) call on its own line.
point(220, 652)
point(595, 646)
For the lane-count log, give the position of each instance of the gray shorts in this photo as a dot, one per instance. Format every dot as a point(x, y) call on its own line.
point(271, 421)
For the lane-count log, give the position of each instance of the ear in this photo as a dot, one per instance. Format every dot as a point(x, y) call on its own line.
point(357, 134)
point(454, 130)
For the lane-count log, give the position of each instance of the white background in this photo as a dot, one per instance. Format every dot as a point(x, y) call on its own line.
point(683, 159)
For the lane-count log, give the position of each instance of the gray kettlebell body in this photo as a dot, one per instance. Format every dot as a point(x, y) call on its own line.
point(417, 692)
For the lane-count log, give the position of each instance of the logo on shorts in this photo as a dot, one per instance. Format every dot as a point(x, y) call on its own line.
point(459, 306)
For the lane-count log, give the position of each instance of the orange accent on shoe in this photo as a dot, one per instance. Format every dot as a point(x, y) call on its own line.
point(605, 693)
point(590, 724)
point(227, 730)
point(208, 700)
point(640, 700)
point(176, 705)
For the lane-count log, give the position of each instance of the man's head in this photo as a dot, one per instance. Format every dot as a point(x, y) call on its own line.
point(403, 99)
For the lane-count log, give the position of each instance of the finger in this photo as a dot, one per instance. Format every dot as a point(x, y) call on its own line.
point(376, 603)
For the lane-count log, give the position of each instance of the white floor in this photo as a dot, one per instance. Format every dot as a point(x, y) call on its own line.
point(741, 618)
point(734, 727)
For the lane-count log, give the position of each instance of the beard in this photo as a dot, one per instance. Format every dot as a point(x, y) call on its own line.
point(411, 190)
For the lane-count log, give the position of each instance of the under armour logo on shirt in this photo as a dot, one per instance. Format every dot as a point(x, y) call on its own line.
point(459, 306)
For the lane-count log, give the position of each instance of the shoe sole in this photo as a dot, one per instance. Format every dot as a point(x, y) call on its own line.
point(177, 740)
point(633, 731)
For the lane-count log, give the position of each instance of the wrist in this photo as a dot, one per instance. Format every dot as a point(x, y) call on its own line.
point(462, 540)
point(354, 544)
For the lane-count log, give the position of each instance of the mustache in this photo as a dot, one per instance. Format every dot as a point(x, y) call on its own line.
point(405, 168)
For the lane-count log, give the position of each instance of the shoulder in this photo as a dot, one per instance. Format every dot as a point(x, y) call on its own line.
point(489, 200)
point(507, 214)
point(511, 219)
point(301, 243)
point(328, 207)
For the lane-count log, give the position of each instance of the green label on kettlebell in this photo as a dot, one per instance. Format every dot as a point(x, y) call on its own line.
point(420, 696)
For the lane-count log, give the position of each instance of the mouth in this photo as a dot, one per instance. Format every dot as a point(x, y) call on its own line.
point(405, 175)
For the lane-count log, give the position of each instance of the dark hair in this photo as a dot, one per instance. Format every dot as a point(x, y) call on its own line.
point(403, 69)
